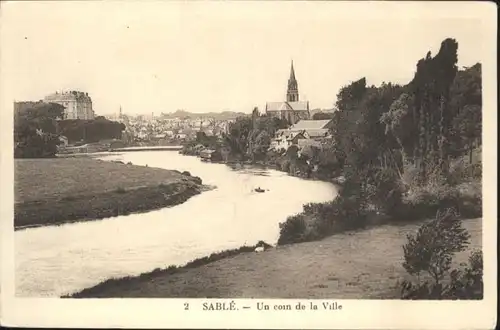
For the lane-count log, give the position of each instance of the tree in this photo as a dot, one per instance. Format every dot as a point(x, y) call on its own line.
point(36, 130)
point(237, 138)
point(322, 116)
point(94, 130)
point(467, 128)
point(431, 251)
point(466, 108)
point(430, 89)
point(445, 64)
point(399, 123)
point(432, 248)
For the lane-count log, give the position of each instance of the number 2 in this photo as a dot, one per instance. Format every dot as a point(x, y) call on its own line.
point(186, 306)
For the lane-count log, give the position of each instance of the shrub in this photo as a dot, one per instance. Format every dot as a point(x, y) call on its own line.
point(463, 171)
point(431, 252)
point(467, 283)
point(319, 220)
point(285, 165)
point(386, 191)
point(464, 284)
point(425, 201)
point(432, 248)
point(292, 230)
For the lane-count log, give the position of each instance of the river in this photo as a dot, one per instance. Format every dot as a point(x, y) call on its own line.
point(57, 260)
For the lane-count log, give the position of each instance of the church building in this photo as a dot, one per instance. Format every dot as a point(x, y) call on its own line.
point(292, 109)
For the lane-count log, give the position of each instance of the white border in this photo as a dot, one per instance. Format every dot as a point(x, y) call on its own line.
point(372, 314)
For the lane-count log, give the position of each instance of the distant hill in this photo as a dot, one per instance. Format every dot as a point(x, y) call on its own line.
point(224, 115)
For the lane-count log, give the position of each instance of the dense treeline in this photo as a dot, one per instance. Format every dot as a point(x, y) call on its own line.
point(91, 130)
point(38, 128)
point(405, 151)
point(35, 130)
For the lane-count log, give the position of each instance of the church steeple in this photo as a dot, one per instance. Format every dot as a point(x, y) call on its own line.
point(292, 94)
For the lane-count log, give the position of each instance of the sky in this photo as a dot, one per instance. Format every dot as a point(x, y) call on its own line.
point(154, 56)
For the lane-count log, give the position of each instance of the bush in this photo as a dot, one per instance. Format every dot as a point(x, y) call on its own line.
point(386, 191)
point(432, 248)
point(467, 283)
point(464, 284)
point(424, 201)
point(463, 171)
point(431, 252)
point(319, 220)
point(292, 230)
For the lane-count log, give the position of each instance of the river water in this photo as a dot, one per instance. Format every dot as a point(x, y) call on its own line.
point(56, 260)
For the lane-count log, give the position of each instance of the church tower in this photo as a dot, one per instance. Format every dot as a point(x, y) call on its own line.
point(292, 93)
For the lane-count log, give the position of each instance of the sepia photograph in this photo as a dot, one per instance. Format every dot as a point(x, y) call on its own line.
point(269, 158)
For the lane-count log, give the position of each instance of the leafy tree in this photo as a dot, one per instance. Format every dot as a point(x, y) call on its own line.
point(467, 128)
point(35, 130)
point(432, 248)
point(431, 251)
point(237, 138)
point(91, 130)
point(466, 107)
point(430, 89)
point(399, 123)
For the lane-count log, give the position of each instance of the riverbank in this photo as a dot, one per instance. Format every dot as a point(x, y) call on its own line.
point(277, 162)
point(364, 264)
point(62, 190)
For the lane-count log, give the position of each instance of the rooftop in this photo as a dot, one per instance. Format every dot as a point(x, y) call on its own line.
point(311, 124)
point(68, 96)
point(295, 106)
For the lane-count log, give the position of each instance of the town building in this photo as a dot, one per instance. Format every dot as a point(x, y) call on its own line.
point(303, 133)
point(292, 109)
point(285, 138)
point(316, 129)
point(78, 105)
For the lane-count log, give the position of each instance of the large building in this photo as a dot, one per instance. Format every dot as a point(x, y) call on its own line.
point(292, 109)
point(78, 105)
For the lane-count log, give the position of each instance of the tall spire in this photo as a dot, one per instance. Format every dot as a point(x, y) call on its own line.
point(292, 94)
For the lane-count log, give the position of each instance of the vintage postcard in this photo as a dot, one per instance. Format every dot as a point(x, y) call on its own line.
point(248, 164)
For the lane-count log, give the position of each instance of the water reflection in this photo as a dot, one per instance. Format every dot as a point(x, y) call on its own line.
point(51, 261)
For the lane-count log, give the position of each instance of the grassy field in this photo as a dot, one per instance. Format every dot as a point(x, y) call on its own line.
point(358, 265)
point(53, 191)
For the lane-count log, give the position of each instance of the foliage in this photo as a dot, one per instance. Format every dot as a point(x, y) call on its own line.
point(463, 283)
point(319, 220)
point(90, 130)
point(35, 130)
point(292, 230)
point(466, 129)
point(387, 192)
point(237, 139)
point(467, 283)
point(322, 116)
point(250, 136)
point(431, 250)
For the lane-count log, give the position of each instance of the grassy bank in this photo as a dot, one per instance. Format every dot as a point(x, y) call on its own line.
point(363, 264)
point(55, 191)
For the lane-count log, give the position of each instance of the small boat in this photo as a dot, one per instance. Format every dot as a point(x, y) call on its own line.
point(259, 190)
